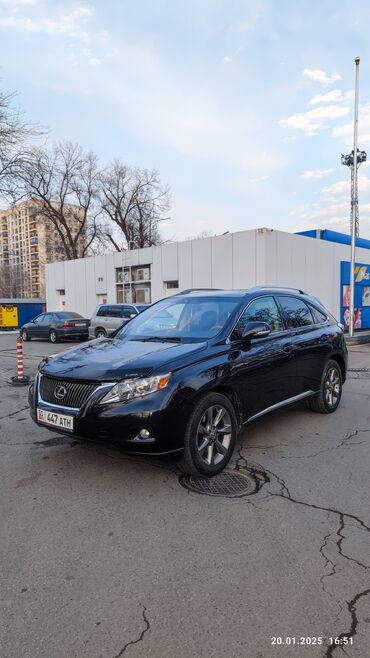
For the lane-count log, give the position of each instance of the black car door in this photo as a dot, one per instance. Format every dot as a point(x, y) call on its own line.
point(45, 325)
point(262, 370)
point(310, 341)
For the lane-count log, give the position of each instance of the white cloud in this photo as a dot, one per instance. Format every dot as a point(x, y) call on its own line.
point(320, 76)
point(313, 121)
point(345, 133)
point(330, 97)
point(317, 173)
point(95, 61)
point(227, 59)
point(16, 3)
point(343, 186)
point(259, 179)
point(68, 24)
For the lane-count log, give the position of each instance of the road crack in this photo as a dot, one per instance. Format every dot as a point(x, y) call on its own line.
point(352, 609)
point(345, 520)
point(141, 636)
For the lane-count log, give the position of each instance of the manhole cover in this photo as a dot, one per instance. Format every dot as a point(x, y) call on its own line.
point(229, 484)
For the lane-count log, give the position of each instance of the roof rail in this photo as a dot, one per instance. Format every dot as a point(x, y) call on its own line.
point(185, 292)
point(265, 287)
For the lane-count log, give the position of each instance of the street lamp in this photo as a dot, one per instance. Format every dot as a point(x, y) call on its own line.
point(354, 160)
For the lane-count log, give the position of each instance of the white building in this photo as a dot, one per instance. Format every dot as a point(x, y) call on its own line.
point(235, 260)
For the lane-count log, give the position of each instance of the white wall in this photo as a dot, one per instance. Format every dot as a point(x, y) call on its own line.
point(236, 260)
point(310, 264)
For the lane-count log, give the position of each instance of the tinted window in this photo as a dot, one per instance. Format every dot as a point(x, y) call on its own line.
point(296, 312)
point(318, 316)
point(141, 307)
point(39, 319)
point(66, 315)
point(47, 318)
point(262, 309)
point(113, 311)
point(102, 311)
point(127, 312)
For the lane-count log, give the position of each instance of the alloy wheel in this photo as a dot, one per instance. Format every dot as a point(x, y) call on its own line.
point(24, 335)
point(53, 337)
point(332, 386)
point(214, 435)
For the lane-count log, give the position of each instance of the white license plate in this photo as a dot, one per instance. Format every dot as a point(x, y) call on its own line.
point(80, 324)
point(58, 420)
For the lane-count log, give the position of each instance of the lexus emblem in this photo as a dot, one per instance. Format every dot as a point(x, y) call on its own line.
point(60, 392)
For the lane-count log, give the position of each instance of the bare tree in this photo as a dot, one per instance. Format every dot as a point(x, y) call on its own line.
point(63, 181)
point(15, 135)
point(133, 201)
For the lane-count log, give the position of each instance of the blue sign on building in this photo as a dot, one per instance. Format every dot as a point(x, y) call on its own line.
point(362, 294)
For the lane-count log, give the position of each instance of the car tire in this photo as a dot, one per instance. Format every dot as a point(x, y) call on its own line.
point(53, 336)
point(327, 401)
point(100, 332)
point(25, 336)
point(207, 447)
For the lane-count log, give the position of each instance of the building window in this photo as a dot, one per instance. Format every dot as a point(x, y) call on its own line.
point(61, 291)
point(170, 285)
point(130, 287)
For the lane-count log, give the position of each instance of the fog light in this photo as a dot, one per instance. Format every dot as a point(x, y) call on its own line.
point(145, 434)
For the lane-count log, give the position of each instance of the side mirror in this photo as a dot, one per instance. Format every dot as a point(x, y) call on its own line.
point(255, 330)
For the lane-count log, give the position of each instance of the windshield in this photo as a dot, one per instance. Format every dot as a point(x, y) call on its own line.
point(141, 307)
point(181, 319)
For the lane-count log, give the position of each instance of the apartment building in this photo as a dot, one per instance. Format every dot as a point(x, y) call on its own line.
point(28, 241)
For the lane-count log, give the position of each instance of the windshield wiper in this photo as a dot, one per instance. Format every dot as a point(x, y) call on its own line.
point(163, 339)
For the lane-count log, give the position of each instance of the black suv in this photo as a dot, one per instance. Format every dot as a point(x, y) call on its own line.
point(191, 371)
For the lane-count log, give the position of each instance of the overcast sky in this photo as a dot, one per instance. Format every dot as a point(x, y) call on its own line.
point(244, 106)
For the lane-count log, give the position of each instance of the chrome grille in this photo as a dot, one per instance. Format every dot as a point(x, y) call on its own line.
point(76, 393)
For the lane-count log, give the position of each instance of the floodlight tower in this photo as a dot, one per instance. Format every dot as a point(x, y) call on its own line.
point(349, 161)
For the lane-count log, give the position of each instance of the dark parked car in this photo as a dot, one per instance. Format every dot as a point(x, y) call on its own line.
point(189, 385)
point(55, 326)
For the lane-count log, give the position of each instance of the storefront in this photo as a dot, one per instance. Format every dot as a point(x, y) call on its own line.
point(362, 295)
point(316, 262)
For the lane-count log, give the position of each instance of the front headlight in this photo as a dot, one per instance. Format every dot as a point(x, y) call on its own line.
point(135, 388)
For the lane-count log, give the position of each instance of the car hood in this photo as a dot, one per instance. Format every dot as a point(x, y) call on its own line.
point(111, 359)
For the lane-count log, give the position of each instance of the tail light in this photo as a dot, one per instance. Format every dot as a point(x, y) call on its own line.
point(67, 325)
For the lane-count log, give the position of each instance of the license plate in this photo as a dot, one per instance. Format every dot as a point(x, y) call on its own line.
point(58, 420)
point(80, 324)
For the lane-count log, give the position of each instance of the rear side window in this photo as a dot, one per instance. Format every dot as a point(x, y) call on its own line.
point(127, 312)
point(318, 316)
point(102, 311)
point(113, 311)
point(262, 309)
point(296, 312)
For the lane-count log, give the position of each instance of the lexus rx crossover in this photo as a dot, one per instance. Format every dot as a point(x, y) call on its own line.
point(190, 372)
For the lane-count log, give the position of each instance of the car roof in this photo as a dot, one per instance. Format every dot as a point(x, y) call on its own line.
point(217, 292)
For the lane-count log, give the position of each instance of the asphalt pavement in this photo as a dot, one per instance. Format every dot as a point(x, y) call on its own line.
point(105, 555)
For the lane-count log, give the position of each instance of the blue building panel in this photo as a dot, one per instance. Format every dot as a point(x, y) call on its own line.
point(27, 312)
point(335, 236)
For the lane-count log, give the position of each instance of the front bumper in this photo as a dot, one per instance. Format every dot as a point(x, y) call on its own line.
point(163, 414)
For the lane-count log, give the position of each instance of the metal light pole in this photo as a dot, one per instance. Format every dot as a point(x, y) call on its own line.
point(354, 207)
